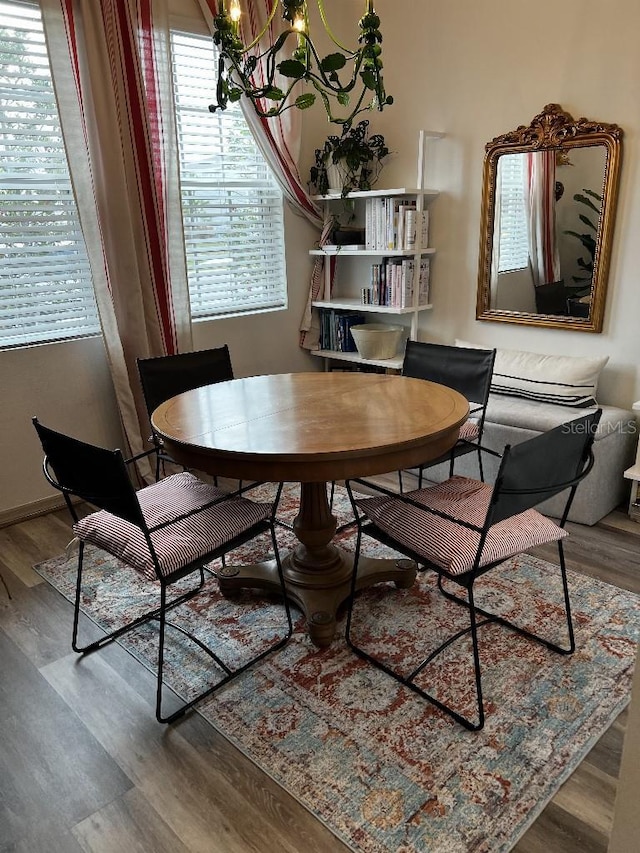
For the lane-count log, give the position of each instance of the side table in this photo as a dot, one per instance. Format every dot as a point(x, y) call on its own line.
point(633, 474)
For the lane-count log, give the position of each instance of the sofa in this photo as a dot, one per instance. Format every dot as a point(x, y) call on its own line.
point(532, 393)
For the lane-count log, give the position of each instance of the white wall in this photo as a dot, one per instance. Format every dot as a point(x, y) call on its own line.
point(474, 70)
point(66, 386)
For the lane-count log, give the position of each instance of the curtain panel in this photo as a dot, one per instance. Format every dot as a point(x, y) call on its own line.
point(111, 69)
point(112, 76)
point(540, 202)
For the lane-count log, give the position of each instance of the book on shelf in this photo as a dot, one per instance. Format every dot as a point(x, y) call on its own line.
point(335, 329)
point(423, 281)
point(415, 222)
point(332, 249)
point(406, 283)
point(394, 206)
point(402, 220)
point(375, 223)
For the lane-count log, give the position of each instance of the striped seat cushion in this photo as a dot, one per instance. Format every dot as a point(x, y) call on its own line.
point(178, 544)
point(444, 542)
point(470, 430)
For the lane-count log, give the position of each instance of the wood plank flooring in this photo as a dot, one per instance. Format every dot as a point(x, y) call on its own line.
point(85, 767)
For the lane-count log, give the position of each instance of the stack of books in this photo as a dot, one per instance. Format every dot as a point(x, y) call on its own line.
point(334, 330)
point(393, 283)
point(394, 224)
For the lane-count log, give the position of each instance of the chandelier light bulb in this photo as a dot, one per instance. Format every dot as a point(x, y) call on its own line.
point(235, 11)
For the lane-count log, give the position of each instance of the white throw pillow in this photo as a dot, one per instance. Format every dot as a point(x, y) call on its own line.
point(562, 379)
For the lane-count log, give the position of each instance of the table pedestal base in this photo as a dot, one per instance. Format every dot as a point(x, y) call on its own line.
point(320, 592)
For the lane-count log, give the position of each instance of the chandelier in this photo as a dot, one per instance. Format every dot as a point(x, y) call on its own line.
point(251, 71)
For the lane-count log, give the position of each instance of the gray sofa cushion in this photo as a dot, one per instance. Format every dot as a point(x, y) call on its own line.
point(540, 417)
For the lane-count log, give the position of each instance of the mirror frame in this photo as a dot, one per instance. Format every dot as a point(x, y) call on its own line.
point(553, 128)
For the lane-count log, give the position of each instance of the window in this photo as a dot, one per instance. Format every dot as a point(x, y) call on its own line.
point(514, 239)
point(232, 206)
point(46, 292)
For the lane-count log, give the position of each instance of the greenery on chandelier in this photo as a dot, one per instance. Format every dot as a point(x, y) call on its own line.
point(237, 65)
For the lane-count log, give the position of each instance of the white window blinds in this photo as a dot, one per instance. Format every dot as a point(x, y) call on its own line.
point(514, 239)
point(46, 292)
point(231, 204)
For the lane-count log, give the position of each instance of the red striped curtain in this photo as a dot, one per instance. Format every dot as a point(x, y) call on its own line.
point(540, 201)
point(111, 71)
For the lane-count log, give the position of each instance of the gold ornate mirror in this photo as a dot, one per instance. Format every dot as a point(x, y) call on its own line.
point(548, 208)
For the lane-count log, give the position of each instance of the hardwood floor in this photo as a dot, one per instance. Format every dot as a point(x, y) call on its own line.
point(85, 767)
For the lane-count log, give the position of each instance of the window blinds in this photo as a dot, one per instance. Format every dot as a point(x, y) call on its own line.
point(514, 239)
point(231, 204)
point(46, 292)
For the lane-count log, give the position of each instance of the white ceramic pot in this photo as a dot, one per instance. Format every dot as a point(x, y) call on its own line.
point(377, 340)
point(337, 176)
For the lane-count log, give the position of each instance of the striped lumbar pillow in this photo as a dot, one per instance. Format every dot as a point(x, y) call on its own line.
point(561, 379)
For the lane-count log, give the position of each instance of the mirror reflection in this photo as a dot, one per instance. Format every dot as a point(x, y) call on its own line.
point(548, 203)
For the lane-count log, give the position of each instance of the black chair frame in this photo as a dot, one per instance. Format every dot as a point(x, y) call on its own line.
point(75, 469)
point(166, 376)
point(467, 371)
point(506, 501)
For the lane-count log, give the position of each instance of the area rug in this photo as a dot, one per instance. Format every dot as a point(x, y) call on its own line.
point(383, 770)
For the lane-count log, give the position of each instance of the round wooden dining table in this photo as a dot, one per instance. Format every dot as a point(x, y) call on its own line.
point(311, 428)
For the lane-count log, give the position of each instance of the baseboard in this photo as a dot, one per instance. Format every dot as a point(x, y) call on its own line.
point(31, 510)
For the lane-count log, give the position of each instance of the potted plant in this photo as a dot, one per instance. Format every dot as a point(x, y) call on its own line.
point(351, 161)
point(587, 239)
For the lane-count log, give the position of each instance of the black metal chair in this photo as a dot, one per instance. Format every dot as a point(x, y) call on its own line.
point(167, 531)
point(463, 528)
point(166, 376)
point(467, 371)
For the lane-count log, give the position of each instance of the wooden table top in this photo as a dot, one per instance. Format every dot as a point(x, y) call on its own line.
point(311, 427)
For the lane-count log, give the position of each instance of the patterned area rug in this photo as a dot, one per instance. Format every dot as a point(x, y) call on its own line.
point(386, 772)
